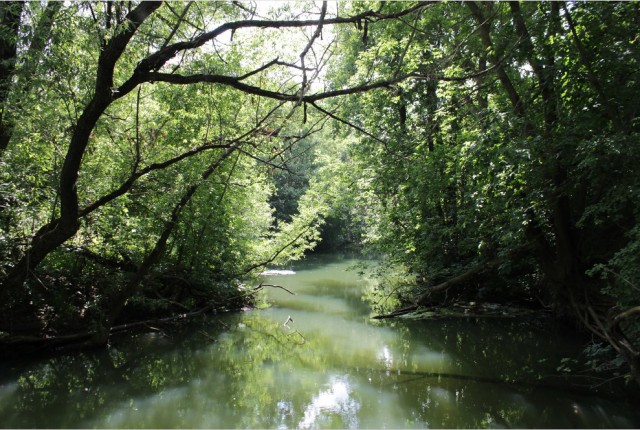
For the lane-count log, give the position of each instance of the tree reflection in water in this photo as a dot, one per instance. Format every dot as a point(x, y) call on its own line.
point(332, 367)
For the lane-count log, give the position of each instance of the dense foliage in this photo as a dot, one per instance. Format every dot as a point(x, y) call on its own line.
point(142, 146)
point(155, 153)
point(507, 170)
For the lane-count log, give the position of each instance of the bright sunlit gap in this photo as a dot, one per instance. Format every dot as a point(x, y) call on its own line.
point(258, 46)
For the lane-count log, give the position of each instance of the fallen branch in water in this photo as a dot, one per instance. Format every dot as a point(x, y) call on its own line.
point(205, 334)
point(424, 298)
point(396, 313)
point(576, 383)
point(490, 265)
point(464, 309)
point(260, 287)
point(82, 339)
point(122, 327)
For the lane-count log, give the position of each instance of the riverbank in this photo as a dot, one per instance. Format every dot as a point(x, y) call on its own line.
point(597, 369)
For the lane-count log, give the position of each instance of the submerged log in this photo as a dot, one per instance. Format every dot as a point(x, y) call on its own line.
point(465, 310)
point(396, 313)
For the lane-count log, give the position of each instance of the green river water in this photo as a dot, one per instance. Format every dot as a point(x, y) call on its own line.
point(314, 360)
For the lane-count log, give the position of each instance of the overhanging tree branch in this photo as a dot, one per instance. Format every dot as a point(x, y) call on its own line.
point(251, 89)
point(125, 186)
point(349, 124)
point(277, 252)
point(52, 235)
point(158, 59)
point(175, 28)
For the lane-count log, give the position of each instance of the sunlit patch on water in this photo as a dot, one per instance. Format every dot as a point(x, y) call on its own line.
point(441, 396)
point(334, 402)
point(285, 411)
point(385, 357)
point(276, 272)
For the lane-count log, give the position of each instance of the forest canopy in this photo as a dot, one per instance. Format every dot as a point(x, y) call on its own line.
point(154, 154)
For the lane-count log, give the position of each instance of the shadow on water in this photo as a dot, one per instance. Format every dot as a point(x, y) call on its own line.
point(314, 360)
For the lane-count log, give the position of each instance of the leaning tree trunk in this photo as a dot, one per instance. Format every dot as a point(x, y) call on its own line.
point(52, 235)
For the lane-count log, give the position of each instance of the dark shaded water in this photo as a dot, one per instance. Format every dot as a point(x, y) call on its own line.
point(330, 367)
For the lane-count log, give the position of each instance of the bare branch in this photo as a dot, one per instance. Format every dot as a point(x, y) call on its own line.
point(626, 314)
point(182, 17)
point(267, 162)
point(125, 264)
point(259, 69)
point(406, 48)
point(119, 42)
point(278, 252)
point(315, 35)
point(175, 28)
point(125, 186)
point(349, 124)
point(250, 89)
point(261, 286)
point(251, 12)
point(156, 60)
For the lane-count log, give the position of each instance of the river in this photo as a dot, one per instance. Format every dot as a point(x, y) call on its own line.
point(314, 360)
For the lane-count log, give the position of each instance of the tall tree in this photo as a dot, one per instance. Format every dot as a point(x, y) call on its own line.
point(504, 166)
point(119, 72)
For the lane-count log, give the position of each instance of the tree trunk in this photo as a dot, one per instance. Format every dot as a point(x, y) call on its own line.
point(54, 234)
point(485, 36)
point(544, 72)
point(152, 258)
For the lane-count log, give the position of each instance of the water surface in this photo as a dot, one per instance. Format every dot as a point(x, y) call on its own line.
point(314, 360)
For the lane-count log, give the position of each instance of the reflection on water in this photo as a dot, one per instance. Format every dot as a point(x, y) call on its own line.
point(314, 360)
point(333, 407)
